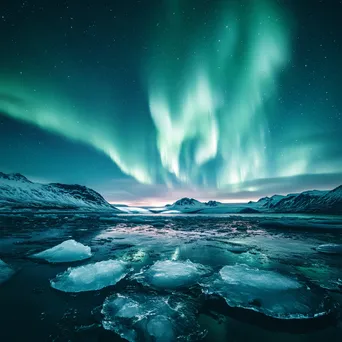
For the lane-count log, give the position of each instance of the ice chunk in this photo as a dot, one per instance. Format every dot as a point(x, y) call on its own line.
point(172, 274)
point(268, 292)
point(5, 272)
point(330, 248)
point(135, 210)
point(241, 275)
point(126, 307)
point(67, 251)
point(237, 247)
point(323, 275)
point(90, 277)
point(150, 317)
point(160, 328)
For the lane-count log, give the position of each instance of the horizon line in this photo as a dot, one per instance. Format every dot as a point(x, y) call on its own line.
point(161, 203)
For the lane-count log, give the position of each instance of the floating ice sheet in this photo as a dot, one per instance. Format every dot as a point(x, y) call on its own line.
point(5, 272)
point(267, 292)
point(67, 251)
point(90, 277)
point(323, 275)
point(149, 317)
point(330, 248)
point(172, 274)
point(237, 247)
point(294, 223)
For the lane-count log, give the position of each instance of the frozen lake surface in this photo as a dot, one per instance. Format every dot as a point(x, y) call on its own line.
point(168, 278)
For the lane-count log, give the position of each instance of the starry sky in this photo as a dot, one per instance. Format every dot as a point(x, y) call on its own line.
point(152, 100)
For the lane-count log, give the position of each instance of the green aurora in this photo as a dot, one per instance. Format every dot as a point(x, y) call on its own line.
point(209, 96)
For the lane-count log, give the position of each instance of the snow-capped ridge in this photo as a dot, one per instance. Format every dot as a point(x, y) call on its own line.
point(310, 201)
point(212, 203)
point(19, 193)
point(313, 201)
point(186, 202)
point(14, 177)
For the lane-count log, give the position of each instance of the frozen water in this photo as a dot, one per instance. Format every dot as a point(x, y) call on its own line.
point(323, 275)
point(90, 277)
point(268, 292)
point(67, 251)
point(295, 223)
point(5, 272)
point(135, 210)
point(172, 274)
point(160, 328)
point(126, 307)
point(330, 248)
point(284, 277)
point(241, 275)
point(149, 317)
point(237, 247)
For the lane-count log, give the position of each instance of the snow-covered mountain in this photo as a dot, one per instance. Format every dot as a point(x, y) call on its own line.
point(269, 202)
point(185, 204)
point(313, 201)
point(325, 202)
point(190, 205)
point(17, 192)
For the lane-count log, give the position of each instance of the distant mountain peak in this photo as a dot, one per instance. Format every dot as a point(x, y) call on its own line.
point(212, 203)
point(14, 177)
point(337, 190)
point(186, 201)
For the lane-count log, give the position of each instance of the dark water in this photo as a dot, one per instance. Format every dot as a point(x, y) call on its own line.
point(32, 311)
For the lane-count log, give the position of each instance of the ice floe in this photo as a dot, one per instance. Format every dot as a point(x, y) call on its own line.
point(90, 277)
point(172, 274)
point(67, 251)
point(294, 223)
point(330, 248)
point(238, 248)
point(323, 275)
point(5, 272)
point(135, 210)
point(149, 317)
point(267, 292)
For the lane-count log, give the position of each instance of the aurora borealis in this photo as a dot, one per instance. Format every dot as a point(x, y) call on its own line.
point(158, 99)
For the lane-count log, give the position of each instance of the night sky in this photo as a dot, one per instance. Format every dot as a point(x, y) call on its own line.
point(148, 101)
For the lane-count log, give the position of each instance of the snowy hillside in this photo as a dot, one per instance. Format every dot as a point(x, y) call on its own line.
point(17, 192)
point(185, 205)
point(190, 205)
point(314, 201)
point(327, 202)
point(269, 202)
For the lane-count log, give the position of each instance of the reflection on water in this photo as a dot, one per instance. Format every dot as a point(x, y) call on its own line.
point(182, 247)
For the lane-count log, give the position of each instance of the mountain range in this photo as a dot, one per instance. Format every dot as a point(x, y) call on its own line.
point(324, 202)
point(19, 193)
